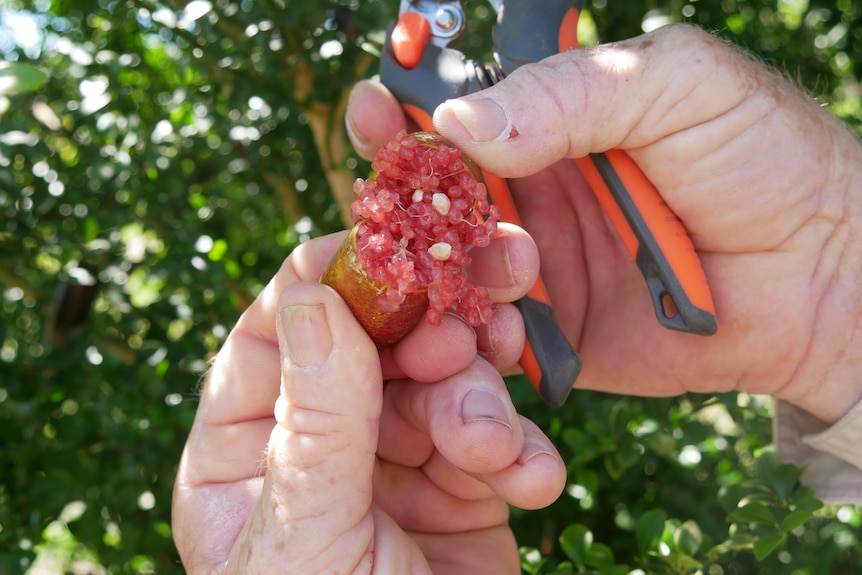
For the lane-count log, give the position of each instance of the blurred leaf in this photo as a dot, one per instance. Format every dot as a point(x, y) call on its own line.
point(754, 513)
point(218, 250)
point(764, 546)
point(804, 499)
point(599, 555)
point(575, 541)
point(614, 570)
point(682, 563)
point(796, 519)
point(18, 78)
point(737, 542)
point(784, 479)
point(765, 466)
point(688, 538)
point(564, 568)
point(648, 530)
point(532, 560)
point(663, 444)
point(621, 459)
point(730, 495)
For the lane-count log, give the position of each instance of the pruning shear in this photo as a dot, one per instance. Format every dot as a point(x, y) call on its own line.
point(422, 71)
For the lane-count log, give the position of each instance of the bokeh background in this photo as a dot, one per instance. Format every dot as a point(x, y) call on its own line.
point(159, 160)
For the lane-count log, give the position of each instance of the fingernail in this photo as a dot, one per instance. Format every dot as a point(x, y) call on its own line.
point(306, 334)
point(494, 268)
point(481, 405)
point(357, 138)
point(349, 123)
point(484, 119)
point(533, 449)
point(485, 338)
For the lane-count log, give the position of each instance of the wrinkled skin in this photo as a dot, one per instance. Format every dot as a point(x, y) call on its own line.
point(309, 464)
point(768, 184)
point(300, 460)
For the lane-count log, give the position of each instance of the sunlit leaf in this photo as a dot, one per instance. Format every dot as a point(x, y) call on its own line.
point(688, 537)
point(18, 78)
point(219, 249)
point(682, 563)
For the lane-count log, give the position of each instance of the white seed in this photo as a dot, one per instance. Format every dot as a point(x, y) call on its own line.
point(440, 202)
point(417, 196)
point(441, 251)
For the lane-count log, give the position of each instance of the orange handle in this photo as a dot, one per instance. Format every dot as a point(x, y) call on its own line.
point(656, 239)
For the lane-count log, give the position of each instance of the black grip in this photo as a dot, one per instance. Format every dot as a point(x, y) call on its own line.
point(528, 32)
point(557, 361)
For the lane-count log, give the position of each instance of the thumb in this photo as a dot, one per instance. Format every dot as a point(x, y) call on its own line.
point(623, 95)
point(314, 513)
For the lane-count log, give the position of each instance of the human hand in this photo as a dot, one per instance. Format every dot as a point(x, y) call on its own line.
point(301, 460)
point(765, 181)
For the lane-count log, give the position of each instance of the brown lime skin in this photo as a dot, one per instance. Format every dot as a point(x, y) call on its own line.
point(346, 275)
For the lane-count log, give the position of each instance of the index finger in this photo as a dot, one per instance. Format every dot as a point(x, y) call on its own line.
point(373, 117)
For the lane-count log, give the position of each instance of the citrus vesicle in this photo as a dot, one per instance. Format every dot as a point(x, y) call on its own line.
point(408, 253)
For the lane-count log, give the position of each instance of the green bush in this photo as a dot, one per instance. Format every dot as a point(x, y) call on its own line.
point(158, 162)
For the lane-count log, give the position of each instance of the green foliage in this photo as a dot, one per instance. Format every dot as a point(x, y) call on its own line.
point(696, 490)
point(157, 163)
point(20, 79)
point(149, 189)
